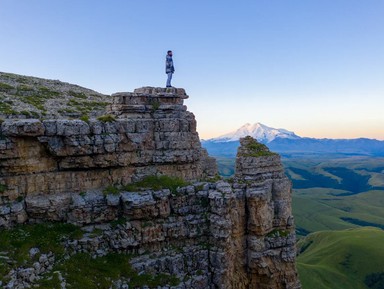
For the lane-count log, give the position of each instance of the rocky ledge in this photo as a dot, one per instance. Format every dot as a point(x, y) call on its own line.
point(48, 157)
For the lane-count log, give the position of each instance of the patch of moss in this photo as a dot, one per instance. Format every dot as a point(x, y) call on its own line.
point(206, 245)
point(77, 94)
point(36, 97)
point(5, 87)
point(85, 118)
point(158, 183)
point(278, 233)
point(30, 113)
point(24, 89)
point(51, 282)
point(36, 101)
point(155, 105)
point(119, 221)
point(107, 118)
point(74, 102)
point(39, 98)
point(6, 108)
point(199, 272)
point(48, 93)
point(21, 79)
point(95, 95)
point(199, 187)
point(84, 106)
point(256, 149)
point(3, 188)
point(47, 237)
point(111, 190)
point(14, 77)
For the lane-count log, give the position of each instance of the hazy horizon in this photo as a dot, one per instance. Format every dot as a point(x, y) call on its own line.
point(303, 136)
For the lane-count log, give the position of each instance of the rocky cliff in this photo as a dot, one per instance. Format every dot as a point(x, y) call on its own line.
point(205, 234)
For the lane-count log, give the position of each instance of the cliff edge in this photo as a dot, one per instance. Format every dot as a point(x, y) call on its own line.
point(204, 234)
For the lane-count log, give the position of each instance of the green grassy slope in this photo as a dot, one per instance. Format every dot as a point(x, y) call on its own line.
point(353, 174)
point(318, 209)
point(340, 259)
point(31, 97)
point(336, 194)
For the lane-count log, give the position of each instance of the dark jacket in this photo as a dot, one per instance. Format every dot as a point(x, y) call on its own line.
point(169, 65)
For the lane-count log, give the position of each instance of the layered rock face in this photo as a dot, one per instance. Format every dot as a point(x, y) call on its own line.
point(153, 134)
point(270, 226)
point(228, 235)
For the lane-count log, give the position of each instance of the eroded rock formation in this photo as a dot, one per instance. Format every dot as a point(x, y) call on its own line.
point(237, 234)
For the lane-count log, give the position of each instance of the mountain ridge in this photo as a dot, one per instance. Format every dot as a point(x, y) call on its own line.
point(261, 132)
point(254, 129)
point(292, 144)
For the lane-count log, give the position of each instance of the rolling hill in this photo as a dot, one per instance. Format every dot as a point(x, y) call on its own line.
point(342, 259)
point(335, 194)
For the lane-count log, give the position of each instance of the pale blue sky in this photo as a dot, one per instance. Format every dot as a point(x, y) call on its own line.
point(314, 67)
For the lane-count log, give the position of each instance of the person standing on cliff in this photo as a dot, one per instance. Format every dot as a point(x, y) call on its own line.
point(169, 68)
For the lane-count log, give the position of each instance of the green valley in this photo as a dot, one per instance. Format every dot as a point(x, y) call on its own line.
point(350, 258)
point(337, 204)
point(337, 194)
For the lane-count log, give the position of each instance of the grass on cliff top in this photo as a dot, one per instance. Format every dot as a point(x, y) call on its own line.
point(256, 149)
point(106, 118)
point(45, 97)
point(5, 87)
point(342, 259)
point(158, 183)
point(6, 108)
point(85, 106)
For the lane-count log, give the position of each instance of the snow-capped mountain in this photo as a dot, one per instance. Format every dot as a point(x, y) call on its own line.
point(289, 144)
point(259, 131)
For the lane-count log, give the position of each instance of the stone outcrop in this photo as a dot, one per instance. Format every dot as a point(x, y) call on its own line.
point(271, 235)
point(152, 134)
point(225, 234)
